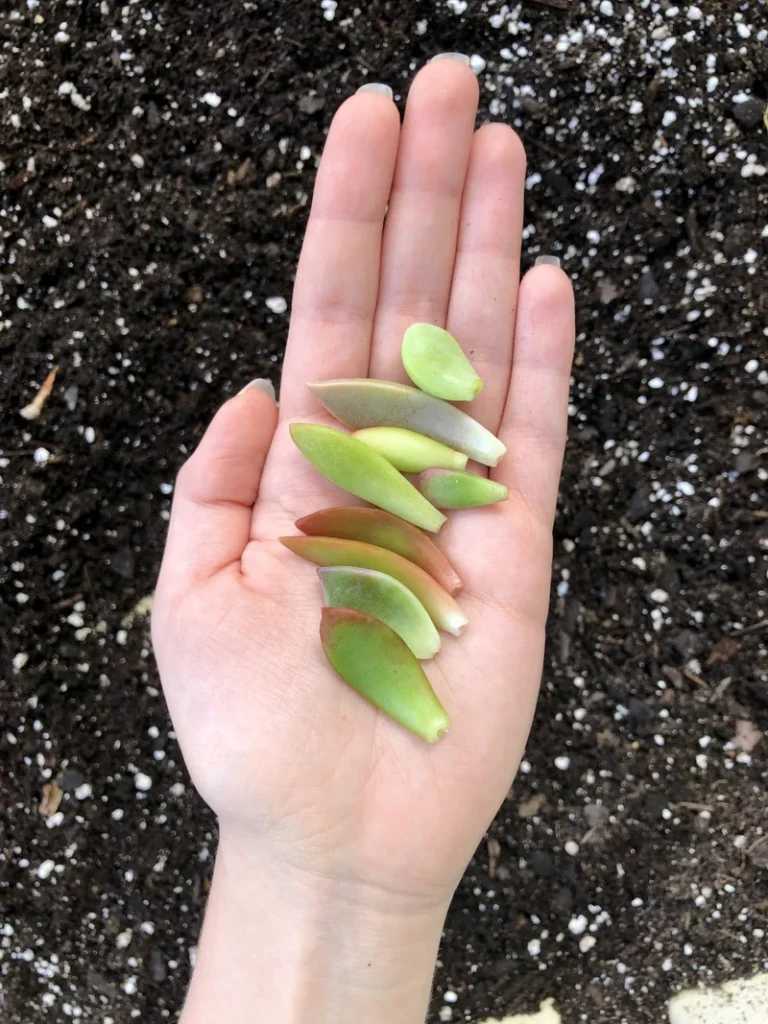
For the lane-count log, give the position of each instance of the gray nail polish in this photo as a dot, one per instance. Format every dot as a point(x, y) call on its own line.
point(451, 56)
point(547, 261)
point(379, 87)
point(261, 384)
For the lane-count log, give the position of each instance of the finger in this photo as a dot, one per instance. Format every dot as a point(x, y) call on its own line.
point(334, 297)
point(216, 490)
point(535, 419)
point(423, 217)
point(481, 314)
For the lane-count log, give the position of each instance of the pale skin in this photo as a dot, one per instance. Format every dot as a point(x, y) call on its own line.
point(343, 837)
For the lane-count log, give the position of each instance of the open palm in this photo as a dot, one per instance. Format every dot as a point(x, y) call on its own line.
point(287, 755)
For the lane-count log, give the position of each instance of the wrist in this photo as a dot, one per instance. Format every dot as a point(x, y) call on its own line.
point(283, 944)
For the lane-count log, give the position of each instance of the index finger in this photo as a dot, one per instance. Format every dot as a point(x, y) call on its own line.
point(337, 280)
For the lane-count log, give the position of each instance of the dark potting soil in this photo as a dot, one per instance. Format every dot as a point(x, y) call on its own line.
point(156, 161)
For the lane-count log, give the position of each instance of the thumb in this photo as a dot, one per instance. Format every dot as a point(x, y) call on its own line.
point(217, 487)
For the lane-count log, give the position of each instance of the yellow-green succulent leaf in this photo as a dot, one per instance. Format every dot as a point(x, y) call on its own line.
point(437, 364)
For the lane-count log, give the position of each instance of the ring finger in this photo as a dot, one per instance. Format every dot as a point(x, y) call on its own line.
point(481, 314)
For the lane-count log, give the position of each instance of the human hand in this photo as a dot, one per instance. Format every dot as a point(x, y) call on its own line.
point(314, 789)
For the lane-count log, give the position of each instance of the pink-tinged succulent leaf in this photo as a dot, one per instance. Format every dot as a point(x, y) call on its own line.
point(409, 452)
point(372, 659)
point(436, 363)
point(373, 526)
point(447, 489)
point(362, 403)
point(386, 599)
point(441, 607)
point(350, 464)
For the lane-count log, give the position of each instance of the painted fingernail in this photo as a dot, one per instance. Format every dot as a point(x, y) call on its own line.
point(547, 261)
point(379, 87)
point(451, 56)
point(261, 384)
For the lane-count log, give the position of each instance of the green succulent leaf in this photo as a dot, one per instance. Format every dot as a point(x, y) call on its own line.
point(410, 452)
point(384, 598)
point(436, 363)
point(373, 526)
point(447, 489)
point(441, 607)
point(360, 470)
point(372, 659)
point(363, 402)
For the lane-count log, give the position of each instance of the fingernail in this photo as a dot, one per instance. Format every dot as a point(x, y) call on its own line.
point(547, 261)
point(261, 384)
point(379, 87)
point(451, 56)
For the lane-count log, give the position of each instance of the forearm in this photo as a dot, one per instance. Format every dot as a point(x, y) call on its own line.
point(280, 946)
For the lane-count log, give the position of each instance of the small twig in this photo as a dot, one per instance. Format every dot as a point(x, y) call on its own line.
point(540, 144)
point(35, 407)
point(720, 689)
point(593, 834)
point(694, 678)
point(561, 5)
point(494, 852)
point(263, 79)
point(754, 628)
point(88, 140)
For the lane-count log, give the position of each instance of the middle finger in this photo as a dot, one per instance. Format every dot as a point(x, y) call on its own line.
point(419, 246)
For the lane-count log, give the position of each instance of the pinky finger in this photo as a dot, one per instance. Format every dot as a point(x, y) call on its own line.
point(535, 419)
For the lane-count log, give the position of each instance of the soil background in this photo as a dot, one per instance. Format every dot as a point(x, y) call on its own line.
point(143, 230)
